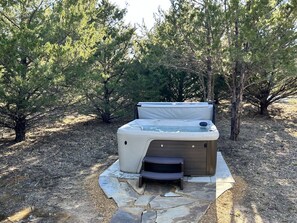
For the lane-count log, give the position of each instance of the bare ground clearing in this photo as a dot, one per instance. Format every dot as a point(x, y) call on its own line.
point(52, 176)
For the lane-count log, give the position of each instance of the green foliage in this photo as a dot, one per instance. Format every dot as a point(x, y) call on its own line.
point(231, 47)
point(273, 55)
point(54, 51)
point(103, 80)
point(39, 40)
point(185, 45)
point(141, 83)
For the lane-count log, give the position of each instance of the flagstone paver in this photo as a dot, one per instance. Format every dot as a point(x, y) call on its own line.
point(223, 174)
point(199, 191)
point(149, 216)
point(126, 196)
point(134, 184)
point(125, 215)
point(172, 215)
point(170, 202)
point(163, 202)
point(114, 171)
point(143, 200)
point(109, 185)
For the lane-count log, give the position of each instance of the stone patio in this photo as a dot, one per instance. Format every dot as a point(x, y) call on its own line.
point(163, 202)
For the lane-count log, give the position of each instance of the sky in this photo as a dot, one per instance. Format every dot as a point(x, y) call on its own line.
point(138, 10)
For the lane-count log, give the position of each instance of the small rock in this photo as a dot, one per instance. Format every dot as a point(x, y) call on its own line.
point(171, 194)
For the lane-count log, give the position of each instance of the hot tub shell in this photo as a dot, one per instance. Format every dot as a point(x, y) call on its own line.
point(184, 138)
point(170, 129)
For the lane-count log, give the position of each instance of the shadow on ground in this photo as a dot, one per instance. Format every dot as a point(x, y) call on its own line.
point(264, 164)
point(54, 169)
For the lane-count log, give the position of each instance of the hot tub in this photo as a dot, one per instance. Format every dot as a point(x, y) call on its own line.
point(169, 138)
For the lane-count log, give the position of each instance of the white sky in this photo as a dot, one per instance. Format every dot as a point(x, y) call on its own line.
point(138, 10)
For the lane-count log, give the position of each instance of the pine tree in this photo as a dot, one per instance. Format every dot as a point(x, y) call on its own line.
point(39, 40)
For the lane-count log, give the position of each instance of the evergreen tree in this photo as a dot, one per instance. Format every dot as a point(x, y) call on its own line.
point(274, 51)
point(39, 39)
point(103, 78)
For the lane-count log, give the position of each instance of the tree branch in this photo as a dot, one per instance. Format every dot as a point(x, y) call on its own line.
point(34, 12)
point(10, 20)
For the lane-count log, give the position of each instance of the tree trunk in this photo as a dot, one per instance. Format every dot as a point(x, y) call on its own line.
point(20, 129)
point(264, 103)
point(237, 90)
point(181, 87)
point(237, 94)
point(264, 108)
point(210, 86)
point(235, 118)
point(106, 114)
point(210, 91)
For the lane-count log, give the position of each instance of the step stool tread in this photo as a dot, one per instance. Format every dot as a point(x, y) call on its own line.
point(163, 160)
point(161, 176)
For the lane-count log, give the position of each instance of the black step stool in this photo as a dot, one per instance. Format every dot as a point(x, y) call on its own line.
point(162, 168)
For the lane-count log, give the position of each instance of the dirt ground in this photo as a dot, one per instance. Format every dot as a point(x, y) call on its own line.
point(53, 175)
point(264, 165)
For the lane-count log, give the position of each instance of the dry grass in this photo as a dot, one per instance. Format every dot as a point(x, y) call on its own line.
point(55, 171)
point(264, 163)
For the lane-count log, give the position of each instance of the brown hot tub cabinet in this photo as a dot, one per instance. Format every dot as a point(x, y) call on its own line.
point(200, 157)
